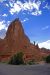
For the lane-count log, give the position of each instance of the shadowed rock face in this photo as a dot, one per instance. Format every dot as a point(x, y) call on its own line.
point(15, 41)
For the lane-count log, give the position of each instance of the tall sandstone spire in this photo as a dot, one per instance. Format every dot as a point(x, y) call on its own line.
point(15, 36)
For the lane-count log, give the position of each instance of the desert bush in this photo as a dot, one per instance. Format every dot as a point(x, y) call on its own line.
point(48, 59)
point(31, 62)
point(17, 59)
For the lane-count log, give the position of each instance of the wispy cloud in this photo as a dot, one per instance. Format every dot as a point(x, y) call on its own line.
point(26, 19)
point(4, 15)
point(7, 5)
point(46, 6)
point(16, 8)
point(32, 7)
point(3, 25)
point(36, 13)
point(46, 27)
point(45, 44)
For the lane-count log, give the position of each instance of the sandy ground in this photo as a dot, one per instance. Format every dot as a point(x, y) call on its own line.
point(42, 69)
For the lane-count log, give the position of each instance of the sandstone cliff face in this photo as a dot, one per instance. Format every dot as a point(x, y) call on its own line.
point(15, 41)
point(15, 36)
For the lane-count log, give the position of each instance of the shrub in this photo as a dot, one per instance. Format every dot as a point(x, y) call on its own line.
point(31, 62)
point(17, 59)
point(48, 59)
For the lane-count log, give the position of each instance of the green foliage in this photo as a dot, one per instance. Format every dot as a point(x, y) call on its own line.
point(31, 62)
point(43, 58)
point(48, 59)
point(17, 59)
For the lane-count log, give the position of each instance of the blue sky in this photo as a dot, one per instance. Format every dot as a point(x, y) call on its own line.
point(34, 15)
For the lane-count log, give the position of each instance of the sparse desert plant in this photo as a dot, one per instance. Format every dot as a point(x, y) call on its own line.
point(48, 59)
point(31, 62)
point(17, 59)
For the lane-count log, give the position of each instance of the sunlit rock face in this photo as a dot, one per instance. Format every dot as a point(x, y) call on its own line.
point(15, 36)
point(16, 40)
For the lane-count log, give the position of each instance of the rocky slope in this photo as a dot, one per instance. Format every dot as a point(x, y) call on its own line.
point(15, 41)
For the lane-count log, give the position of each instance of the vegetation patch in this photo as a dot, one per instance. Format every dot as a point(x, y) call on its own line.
point(48, 59)
point(17, 59)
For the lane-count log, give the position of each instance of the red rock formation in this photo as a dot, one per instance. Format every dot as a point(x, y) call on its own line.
point(15, 41)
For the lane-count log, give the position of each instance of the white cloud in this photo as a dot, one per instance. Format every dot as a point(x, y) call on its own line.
point(46, 27)
point(36, 13)
point(5, 15)
point(2, 25)
point(15, 8)
point(45, 44)
point(7, 5)
point(46, 6)
point(11, 4)
point(37, 5)
point(8, 23)
point(26, 19)
point(27, 6)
